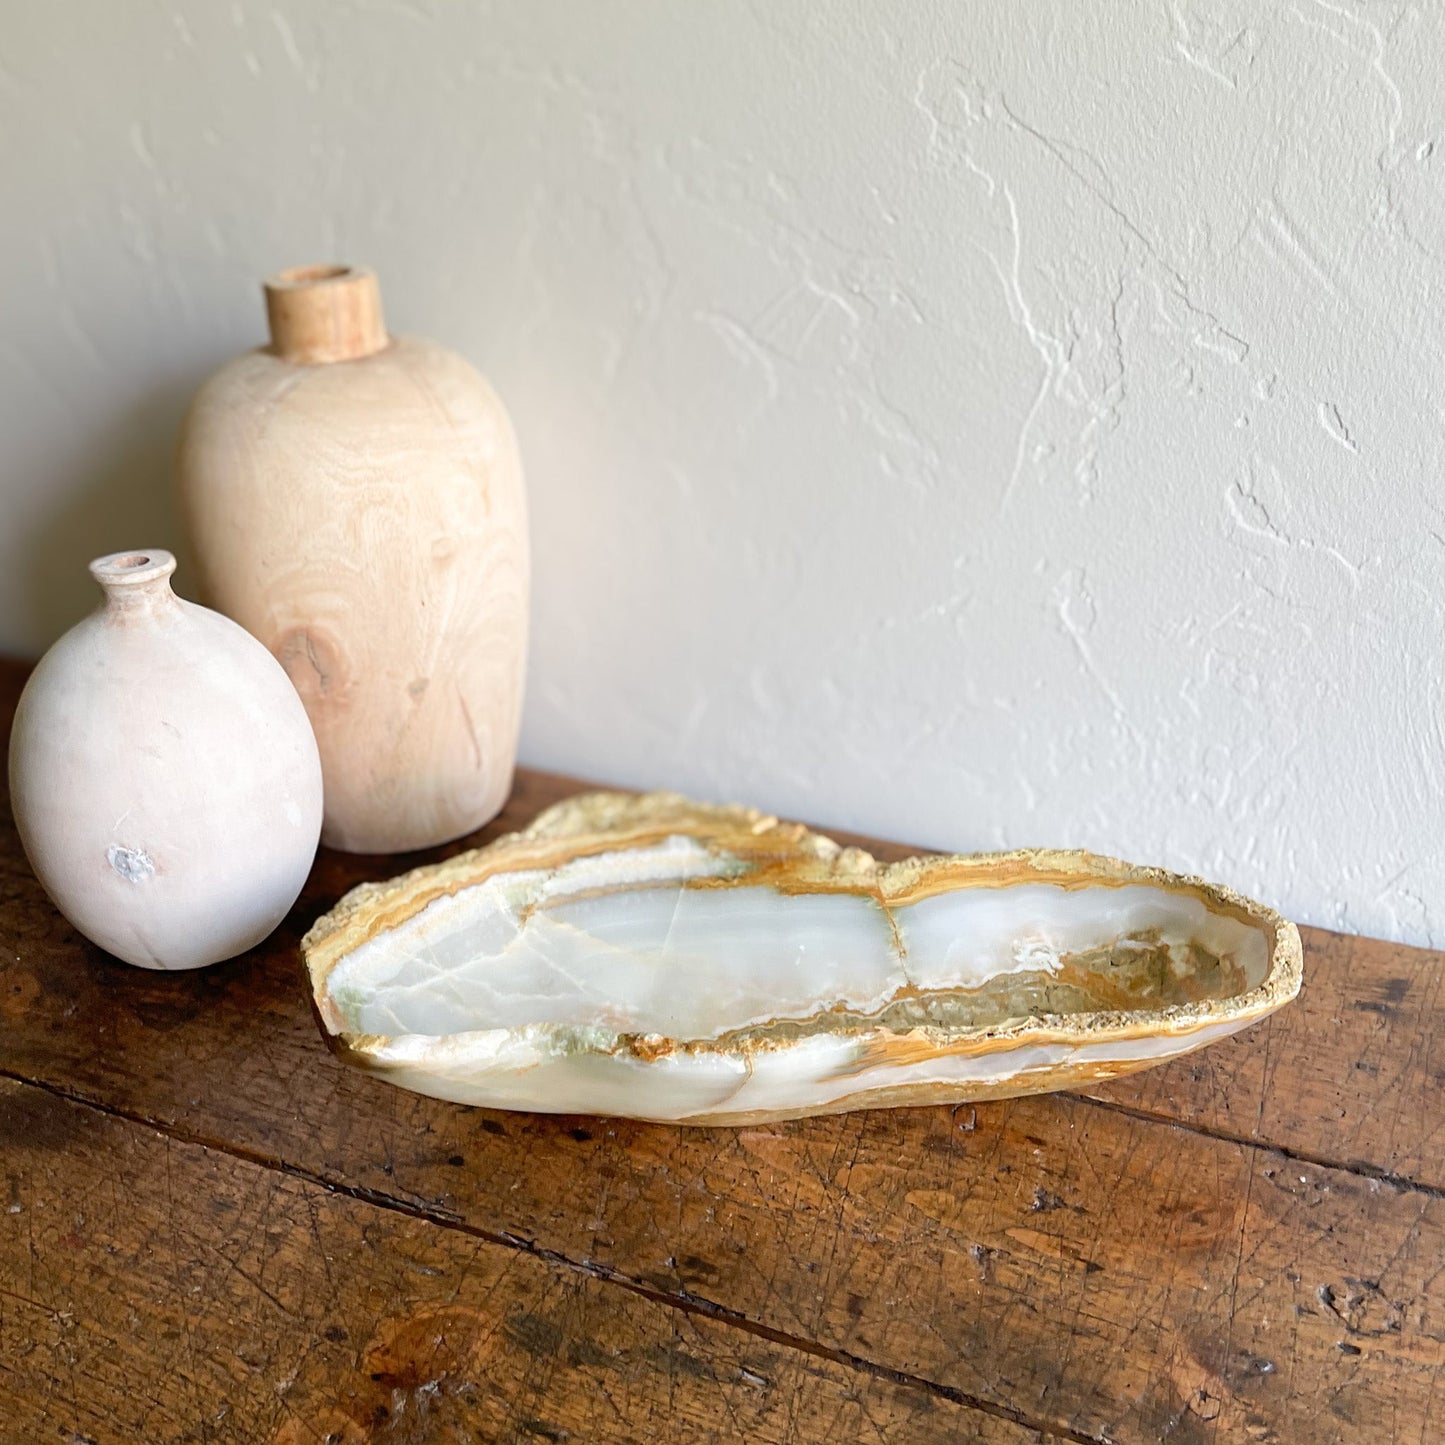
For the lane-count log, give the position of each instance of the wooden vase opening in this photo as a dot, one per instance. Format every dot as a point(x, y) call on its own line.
point(321, 314)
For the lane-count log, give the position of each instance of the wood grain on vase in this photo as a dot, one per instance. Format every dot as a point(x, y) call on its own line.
point(356, 502)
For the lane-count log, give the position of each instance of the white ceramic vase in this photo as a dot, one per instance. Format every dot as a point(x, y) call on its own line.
point(165, 780)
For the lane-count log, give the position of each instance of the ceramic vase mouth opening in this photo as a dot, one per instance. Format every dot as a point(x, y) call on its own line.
point(131, 574)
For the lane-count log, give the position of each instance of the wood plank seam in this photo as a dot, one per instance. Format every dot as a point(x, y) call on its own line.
point(165, 1292)
point(1361, 1170)
point(685, 1301)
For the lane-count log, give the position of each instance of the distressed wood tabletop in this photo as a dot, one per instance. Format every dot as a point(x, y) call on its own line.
point(214, 1230)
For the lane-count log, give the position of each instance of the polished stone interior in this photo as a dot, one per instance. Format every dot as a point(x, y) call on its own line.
point(672, 940)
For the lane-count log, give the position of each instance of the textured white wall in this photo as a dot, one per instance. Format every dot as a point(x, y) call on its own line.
point(984, 424)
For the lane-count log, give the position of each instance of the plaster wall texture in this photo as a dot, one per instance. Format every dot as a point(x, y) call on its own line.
point(981, 424)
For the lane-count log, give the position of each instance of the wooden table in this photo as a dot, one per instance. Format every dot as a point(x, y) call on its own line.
point(213, 1230)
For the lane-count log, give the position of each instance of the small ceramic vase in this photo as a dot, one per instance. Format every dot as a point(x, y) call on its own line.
point(164, 778)
point(355, 501)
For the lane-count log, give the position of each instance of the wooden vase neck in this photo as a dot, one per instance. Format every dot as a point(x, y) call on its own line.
point(320, 314)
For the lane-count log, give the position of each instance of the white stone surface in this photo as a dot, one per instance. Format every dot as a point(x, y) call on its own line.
point(544, 948)
point(980, 424)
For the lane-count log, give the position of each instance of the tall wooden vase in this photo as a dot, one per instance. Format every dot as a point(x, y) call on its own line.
point(355, 501)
